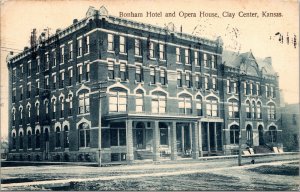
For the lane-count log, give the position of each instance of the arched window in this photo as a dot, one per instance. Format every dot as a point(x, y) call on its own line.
point(258, 110)
point(21, 113)
point(28, 113)
point(37, 139)
point(46, 134)
point(185, 104)
point(47, 109)
point(70, 105)
point(212, 107)
point(62, 107)
point(234, 134)
point(249, 135)
point(118, 100)
point(66, 136)
point(29, 146)
point(248, 107)
point(84, 135)
point(84, 102)
point(139, 101)
point(21, 141)
point(253, 110)
point(57, 137)
point(159, 102)
point(233, 108)
point(199, 105)
point(272, 134)
point(14, 140)
point(53, 108)
point(271, 111)
point(14, 117)
point(37, 112)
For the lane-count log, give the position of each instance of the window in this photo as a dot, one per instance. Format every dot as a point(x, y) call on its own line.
point(249, 135)
point(199, 105)
point(66, 137)
point(84, 135)
point(272, 134)
point(54, 80)
point(38, 65)
point(14, 95)
point(70, 105)
point(46, 82)
point(47, 61)
point(70, 76)
point(37, 139)
point(62, 55)
point(196, 59)
point(228, 86)
point(178, 56)
point(137, 47)
point(14, 117)
point(37, 112)
point(38, 86)
point(271, 111)
point(21, 70)
point(79, 73)
point(258, 89)
point(163, 77)
point(233, 109)
point(251, 89)
point(187, 56)
point(267, 91)
point(29, 69)
point(161, 51)
point(214, 83)
point(205, 60)
point(28, 113)
point(212, 107)
point(151, 50)
point(138, 73)
point(53, 108)
point(28, 90)
point(235, 90)
point(123, 71)
point(79, 45)
point(61, 79)
point(14, 141)
point(248, 107)
point(159, 103)
point(152, 75)
point(21, 92)
point(197, 81)
point(21, 140)
point(47, 109)
point(179, 80)
point(213, 62)
point(139, 101)
point(70, 51)
point(87, 44)
point(110, 38)
point(117, 136)
point(57, 137)
point(258, 110)
point(62, 107)
point(185, 104)
point(206, 85)
point(87, 74)
point(110, 73)
point(122, 44)
point(54, 58)
point(272, 92)
point(163, 131)
point(234, 134)
point(253, 110)
point(117, 100)
point(84, 103)
point(188, 81)
point(245, 88)
point(14, 75)
point(29, 139)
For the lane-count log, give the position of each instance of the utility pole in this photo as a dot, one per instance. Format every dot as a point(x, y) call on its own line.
point(240, 119)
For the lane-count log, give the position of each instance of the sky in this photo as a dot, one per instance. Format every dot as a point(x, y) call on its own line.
point(242, 34)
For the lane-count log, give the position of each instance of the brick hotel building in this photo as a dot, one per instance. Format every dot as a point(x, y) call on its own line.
point(163, 94)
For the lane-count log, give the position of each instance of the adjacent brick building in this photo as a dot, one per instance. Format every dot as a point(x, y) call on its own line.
point(163, 94)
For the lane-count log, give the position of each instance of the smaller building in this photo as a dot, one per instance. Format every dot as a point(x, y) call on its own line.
point(290, 123)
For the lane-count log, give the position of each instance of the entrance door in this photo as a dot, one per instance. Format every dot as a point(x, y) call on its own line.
point(140, 135)
point(261, 135)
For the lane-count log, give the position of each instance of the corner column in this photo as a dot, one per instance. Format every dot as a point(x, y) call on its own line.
point(156, 141)
point(173, 142)
point(129, 141)
point(195, 139)
point(200, 138)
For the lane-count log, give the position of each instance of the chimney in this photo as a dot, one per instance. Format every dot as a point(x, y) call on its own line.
point(58, 30)
point(75, 21)
point(268, 60)
point(25, 48)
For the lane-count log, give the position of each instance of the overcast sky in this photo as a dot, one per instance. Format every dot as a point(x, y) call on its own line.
point(18, 18)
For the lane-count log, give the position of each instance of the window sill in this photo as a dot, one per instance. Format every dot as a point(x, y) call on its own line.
point(70, 60)
point(79, 56)
point(111, 51)
point(123, 53)
point(86, 53)
point(61, 63)
point(37, 149)
point(82, 114)
point(138, 56)
point(153, 58)
point(179, 63)
point(163, 60)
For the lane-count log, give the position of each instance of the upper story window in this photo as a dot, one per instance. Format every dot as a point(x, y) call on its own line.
point(54, 58)
point(21, 113)
point(198, 81)
point(152, 75)
point(70, 51)
point(233, 109)
point(161, 51)
point(214, 83)
point(38, 65)
point(187, 56)
point(21, 92)
point(87, 44)
point(251, 89)
point(46, 82)
point(267, 91)
point(137, 47)
point(14, 95)
point(118, 100)
point(110, 69)
point(258, 89)
point(196, 59)
point(70, 76)
point(29, 69)
point(271, 111)
point(188, 80)
point(28, 112)
point(178, 55)
point(54, 80)
point(253, 110)
point(84, 102)
point(14, 117)
point(37, 112)
point(21, 70)
point(199, 105)
point(159, 102)
point(139, 101)
point(272, 92)
point(28, 90)
point(213, 62)
point(248, 109)
point(163, 77)
point(61, 79)
point(46, 107)
point(110, 38)
point(122, 44)
point(47, 61)
point(206, 83)
point(62, 54)
point(53, 108)
point(212, 107)
point(179, 79)
point(235, 87)
point(245, 88)
point(87, 73)
point(185, 104)
point(151, 50)
point(79, 73)
point(205, 60)
point(14, 75)
point(79, 46)
point(258, 110)
point(123, 73)
point(138, 73)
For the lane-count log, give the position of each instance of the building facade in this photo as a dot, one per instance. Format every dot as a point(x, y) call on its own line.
point(150, 92)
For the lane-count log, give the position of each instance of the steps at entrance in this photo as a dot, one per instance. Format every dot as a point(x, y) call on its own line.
point(143, 154)
point(262, 149)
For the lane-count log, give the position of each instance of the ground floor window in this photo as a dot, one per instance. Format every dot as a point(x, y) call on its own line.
point(234, 134)
point(164, 134)
point(118, 137)
point(272, 134)
point(84, 135)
